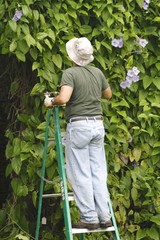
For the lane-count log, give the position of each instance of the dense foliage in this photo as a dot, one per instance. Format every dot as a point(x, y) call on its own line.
point(126, 39)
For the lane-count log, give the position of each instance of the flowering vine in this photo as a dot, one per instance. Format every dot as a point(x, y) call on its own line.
point(132, 76)
point(146, 4)
point(17, 15)
point(117, 42)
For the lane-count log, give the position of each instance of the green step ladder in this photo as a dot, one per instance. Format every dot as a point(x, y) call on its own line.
point(66, 197)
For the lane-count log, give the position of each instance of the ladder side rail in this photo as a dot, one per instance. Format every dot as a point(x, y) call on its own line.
point(42, 176)
point(62, 173)
point(115, 233)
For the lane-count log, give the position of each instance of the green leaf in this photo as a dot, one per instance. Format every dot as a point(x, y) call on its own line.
point(137, 153)
point(16, 164)
point(34, 53)
point(13, 25)
point(20, 56)
point(3, 217)
point(156, 19)
point(25, 29)
point(134, 193)
point(22, 237)
point(29, 2)
point(30, 40)
point(156, 219)
point(122, 113)
point(26, 11)
point(35, 65)
point(23, 47)
point(140, 3)
point(153, 233)
point(147, 80)
point(156, 82)
point(18, 187)
point(57, 59)
point(38, 88)
point(34, 198)
point(16, 147)
point(101, 61)
point(47, 42)
point(85, 29)
point(13, 46)
point(140, 234)
point(41, 35)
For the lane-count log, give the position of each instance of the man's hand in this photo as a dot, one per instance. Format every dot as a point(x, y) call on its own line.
point(48, 101)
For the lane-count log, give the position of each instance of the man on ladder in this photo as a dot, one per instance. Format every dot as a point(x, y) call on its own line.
point(82, 87)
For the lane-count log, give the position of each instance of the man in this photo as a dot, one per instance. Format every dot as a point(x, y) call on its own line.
point(82, 87)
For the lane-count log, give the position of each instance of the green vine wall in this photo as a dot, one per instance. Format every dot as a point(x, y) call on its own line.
point(126, 40)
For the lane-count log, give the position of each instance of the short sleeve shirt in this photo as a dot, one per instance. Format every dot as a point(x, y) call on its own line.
point(88, 83)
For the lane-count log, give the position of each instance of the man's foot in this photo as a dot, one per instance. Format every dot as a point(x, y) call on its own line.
point(106, 224)
point(90, 226)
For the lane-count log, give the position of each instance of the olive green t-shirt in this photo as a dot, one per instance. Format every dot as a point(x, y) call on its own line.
point(88, 83)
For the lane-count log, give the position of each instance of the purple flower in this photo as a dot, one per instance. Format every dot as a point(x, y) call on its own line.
point(135, 79)
point(17, 15)
point(132, 76)
point(129, 79)
point(146, 4)
point(135, 71)
point(117, 42)
point(125, 84)
point(142, 42)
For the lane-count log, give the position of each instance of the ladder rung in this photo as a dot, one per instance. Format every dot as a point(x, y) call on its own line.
point(50, 195)
point(85, 230)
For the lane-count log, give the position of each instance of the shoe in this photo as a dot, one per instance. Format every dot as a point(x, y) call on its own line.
point(106, 224)
point(89, 226)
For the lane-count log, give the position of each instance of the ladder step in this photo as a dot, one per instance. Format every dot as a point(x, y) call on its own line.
point(50, 195)
point(85, 230)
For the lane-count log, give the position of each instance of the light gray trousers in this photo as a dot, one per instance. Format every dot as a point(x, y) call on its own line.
point(86, 169)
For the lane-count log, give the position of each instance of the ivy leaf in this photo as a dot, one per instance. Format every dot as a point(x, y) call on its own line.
point(41, 35)
point(18, 187)
point(147, 80)
point(156, 82)
point(140, 234)
point(20, 56)
point(30, 40)
point(22, 237)
point(140, 3)
point(153, 233)
point(13, 25)
point(137, 153)
point(156, 219)
point(85, 29)
point(34, 198)
point(134, 193)
point(38, 88)
point(16, 164)
point(57, 59)
point(35, 65)
point(13, 46)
